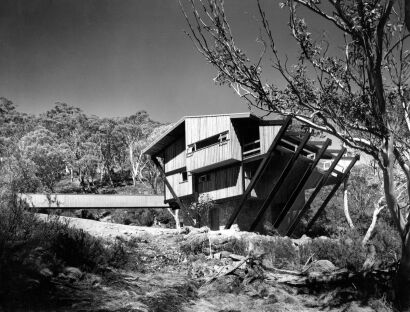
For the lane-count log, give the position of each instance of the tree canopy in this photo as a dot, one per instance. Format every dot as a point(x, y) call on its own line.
point(355, 89)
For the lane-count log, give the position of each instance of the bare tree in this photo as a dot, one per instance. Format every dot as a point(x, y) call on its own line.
point(360, 96)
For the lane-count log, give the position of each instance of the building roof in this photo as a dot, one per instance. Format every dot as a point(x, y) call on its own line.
point(179, 127)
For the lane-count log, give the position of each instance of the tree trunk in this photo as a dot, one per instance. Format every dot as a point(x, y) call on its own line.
point(402, 282)
point(346, 205)
point(377, 209)
point(175, 214)
point(133, 173)
point(403, 278)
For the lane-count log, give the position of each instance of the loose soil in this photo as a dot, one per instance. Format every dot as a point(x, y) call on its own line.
point(164, 279)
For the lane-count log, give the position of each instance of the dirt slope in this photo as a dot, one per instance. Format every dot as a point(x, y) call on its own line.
point(165, 279)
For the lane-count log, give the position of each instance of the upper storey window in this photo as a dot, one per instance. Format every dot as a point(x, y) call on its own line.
point(219, 138)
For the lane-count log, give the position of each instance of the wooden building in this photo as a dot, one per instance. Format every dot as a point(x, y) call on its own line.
point(257, 171)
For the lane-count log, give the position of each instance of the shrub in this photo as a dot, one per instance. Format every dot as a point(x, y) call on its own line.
point(284, 253)
point(28, 246)
point(77, 248)
point(198, 211)
point(346, 252)
point(387, 243)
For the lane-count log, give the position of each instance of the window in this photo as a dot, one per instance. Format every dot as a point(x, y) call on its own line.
point(184, 176)
point(223, 137)
point(203, 178)
point(191, 148)
point(220, 138)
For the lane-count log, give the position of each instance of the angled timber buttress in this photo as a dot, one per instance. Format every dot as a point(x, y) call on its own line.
point(259, 172)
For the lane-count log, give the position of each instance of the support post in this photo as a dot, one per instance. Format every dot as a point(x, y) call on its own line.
point(332, 192)
point(319, 186)
point(280, 181)
point(301, 184)
point(161, 170)
point(259, 172)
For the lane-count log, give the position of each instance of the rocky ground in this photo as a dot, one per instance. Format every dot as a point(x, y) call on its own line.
point(166, 277)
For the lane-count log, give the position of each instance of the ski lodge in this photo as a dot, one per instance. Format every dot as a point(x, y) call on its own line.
point(257, 171)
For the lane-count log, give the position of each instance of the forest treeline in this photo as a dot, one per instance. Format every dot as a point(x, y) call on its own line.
point(66, 150)
point(64, 143)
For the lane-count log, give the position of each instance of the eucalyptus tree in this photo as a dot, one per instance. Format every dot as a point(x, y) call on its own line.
point(13, 125)
point(358, 93)
point(69, 123)
point(42, 149)
point(133, 131)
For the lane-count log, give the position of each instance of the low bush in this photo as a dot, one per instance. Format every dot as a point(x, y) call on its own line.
point(32, 251)
point(345, 252)
point(387, 243)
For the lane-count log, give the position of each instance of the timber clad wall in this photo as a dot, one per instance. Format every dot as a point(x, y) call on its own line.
point(267, 134)
point(222, 183)
point(197, 129)
point(181, 188)
point(174, 155)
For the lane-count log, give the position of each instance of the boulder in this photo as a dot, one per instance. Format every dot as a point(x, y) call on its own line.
point(46, 272)
point(73, 273)
point(355, 307)
point(93, 279)
point(321, 266)
point(302, 241)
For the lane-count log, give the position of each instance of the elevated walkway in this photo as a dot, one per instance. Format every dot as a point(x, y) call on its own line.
point(93, 201)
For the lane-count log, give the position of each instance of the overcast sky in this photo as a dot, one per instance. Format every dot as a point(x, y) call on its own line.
point(116, 57)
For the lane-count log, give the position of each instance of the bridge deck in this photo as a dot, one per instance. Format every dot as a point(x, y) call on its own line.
point(92, 201)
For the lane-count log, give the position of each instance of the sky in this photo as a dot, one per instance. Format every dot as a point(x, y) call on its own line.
point(116, 57)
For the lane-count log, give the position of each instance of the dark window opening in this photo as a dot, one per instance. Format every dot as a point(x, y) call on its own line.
point(203, 178)
point(220, 138)
point(184, 176)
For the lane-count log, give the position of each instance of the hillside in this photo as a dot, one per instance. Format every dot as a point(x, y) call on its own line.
point(173, 271)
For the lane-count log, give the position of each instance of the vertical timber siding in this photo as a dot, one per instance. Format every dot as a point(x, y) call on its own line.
point(267, 134)
point(223, 183)
point(180, 188)
point(197, 129)
point(174, 155)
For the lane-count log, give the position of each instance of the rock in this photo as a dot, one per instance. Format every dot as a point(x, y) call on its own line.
point(235, 228)
point(236, 257)
point(184, 230)
point(106, 219)
point(93, 279)
point(302, 241)
point(225, 254)
point(321, 266)
point(354, 307)
point(46, 272)
point(73, 273)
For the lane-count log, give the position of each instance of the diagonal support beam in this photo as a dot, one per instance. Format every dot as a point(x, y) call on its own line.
point(161, 170)
point(259, 172)
point(332, 192)
point(319, 186)
point(301, 184)
point(280, 181)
